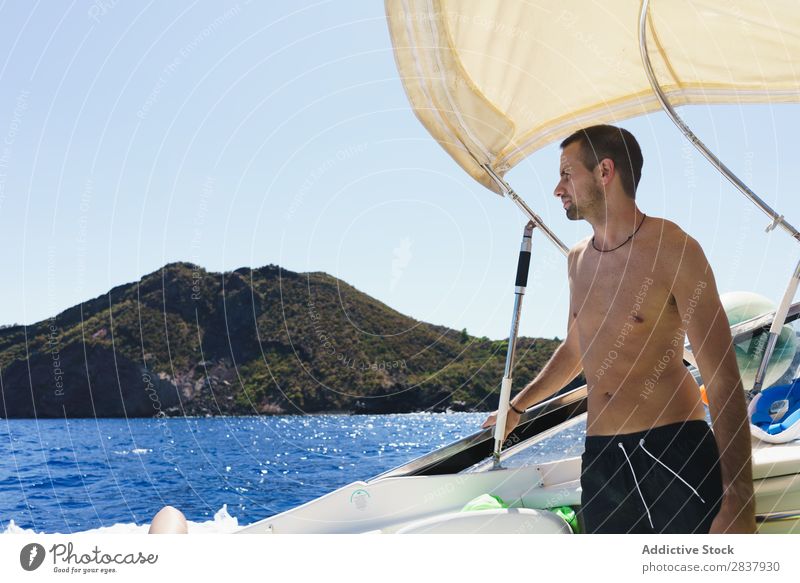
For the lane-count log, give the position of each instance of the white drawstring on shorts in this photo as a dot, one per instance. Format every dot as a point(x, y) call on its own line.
point(636, 481)
point(641, 444)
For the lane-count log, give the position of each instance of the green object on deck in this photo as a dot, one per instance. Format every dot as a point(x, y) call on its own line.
point(568, 514)
point(493, 502)
point(484, 502)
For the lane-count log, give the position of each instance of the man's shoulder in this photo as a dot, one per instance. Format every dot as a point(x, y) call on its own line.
point(575, 252)
point(667, 227)
point(672, 238)
point(681, 255)
point(579, 247)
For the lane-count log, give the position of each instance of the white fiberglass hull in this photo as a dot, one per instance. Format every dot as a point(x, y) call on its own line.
point(410, 504)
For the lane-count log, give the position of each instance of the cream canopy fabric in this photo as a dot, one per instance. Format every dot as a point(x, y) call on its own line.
point(495, 80)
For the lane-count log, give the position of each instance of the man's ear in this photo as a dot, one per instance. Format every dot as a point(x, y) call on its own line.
point(606, 169)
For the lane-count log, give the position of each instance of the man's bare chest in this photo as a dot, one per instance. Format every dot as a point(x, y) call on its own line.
point(632, 289)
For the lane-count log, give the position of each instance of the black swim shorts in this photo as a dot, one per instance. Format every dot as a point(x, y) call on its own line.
point(663, 480)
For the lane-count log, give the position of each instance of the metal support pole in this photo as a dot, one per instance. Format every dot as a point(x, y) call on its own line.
point(777, 220)
point(537, 220)
point(520, 284)
point(775, 330)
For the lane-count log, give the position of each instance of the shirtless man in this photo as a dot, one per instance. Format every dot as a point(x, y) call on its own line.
point(638, 286)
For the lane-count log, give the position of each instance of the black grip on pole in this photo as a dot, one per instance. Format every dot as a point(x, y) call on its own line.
point(523, 264)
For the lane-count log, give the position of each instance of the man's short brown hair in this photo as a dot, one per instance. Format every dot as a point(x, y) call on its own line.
point(604, 141)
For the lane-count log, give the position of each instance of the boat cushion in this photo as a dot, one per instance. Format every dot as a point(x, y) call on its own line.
point(780, 430)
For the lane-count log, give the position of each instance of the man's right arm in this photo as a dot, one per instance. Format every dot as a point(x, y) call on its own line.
point(560, 370)
point(563, 366)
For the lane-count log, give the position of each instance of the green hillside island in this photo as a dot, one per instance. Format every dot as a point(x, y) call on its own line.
point(183, 341)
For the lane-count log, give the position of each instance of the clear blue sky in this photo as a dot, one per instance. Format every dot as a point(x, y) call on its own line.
point(241, 134)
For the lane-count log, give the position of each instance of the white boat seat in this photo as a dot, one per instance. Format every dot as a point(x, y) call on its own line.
point(495, 521)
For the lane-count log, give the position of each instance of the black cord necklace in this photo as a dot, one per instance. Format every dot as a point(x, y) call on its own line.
point(644, 216)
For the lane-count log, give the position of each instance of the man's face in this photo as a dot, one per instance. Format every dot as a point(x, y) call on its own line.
point(578, 188)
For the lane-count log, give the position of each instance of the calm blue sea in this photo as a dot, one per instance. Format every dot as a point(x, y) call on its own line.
point(70, 476)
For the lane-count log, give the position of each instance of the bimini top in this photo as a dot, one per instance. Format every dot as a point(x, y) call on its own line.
point(495, 80)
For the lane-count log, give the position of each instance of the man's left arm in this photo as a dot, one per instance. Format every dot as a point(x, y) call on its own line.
point(706, 324)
